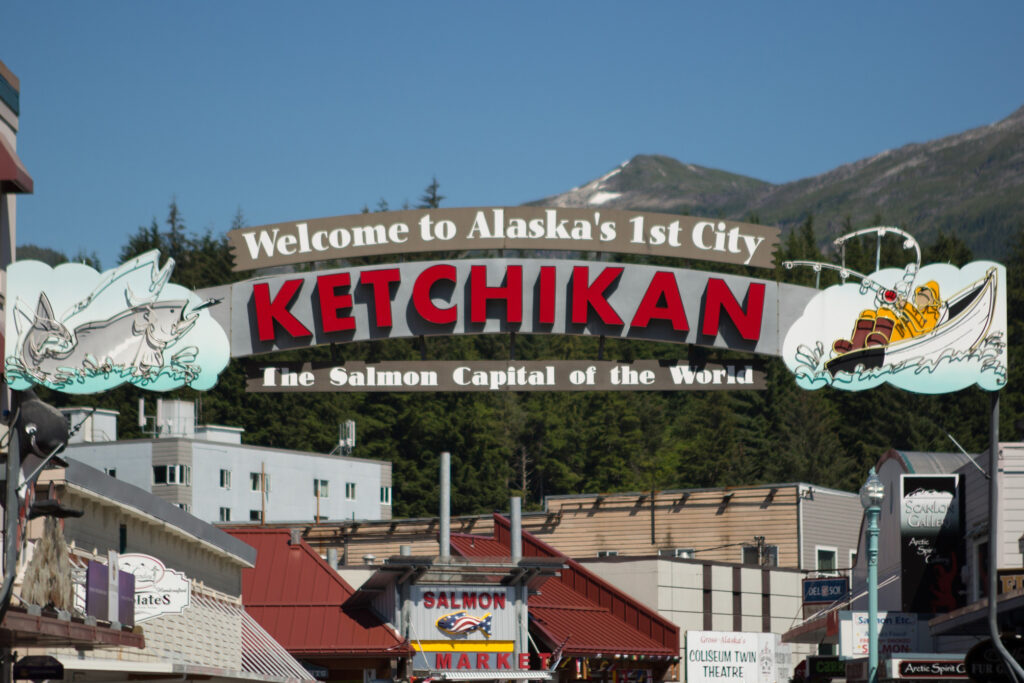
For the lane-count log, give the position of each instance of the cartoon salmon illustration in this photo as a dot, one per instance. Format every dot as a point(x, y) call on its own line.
point(458, 623)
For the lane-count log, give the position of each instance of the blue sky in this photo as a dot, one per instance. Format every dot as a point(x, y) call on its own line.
point(300, 110)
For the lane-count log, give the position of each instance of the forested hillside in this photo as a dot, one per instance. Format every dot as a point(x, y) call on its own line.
point(537, 444)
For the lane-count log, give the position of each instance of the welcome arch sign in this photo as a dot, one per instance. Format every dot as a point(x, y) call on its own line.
point(925, 328)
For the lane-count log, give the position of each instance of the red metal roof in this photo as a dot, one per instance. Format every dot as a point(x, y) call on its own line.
point(586, 613)
point(296, 596)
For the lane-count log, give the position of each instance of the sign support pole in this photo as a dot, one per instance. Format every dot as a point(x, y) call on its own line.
point(993, 541)
point(873, 592)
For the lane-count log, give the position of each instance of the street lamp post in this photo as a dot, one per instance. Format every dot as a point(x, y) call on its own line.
point(871, 495)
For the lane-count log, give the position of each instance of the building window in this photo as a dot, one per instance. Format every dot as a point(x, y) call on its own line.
point(184, 506)
point(225, 514)
point(255, 516)
point(826, 561)
point(385, 495)
point(350, 490)
point(981, 566)
point(259, 481)
point(761, 555)
point(225, 479)
point(320, 489)
point(111, 472)
point(172, 474)
point(681, 553)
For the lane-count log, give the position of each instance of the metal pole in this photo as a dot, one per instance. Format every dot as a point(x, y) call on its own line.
point(873, 593)
point(10, 545)
point(516, 538)
point(446, 504)
point(1012, 667)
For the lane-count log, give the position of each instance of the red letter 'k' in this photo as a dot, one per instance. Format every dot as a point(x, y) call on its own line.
point(270, 311)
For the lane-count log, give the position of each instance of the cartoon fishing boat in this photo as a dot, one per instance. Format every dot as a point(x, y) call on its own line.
point(908, 324)
point(964, 322)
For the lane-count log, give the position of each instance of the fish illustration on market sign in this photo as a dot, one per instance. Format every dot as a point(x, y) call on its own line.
point(132, 326)
point(461, 623)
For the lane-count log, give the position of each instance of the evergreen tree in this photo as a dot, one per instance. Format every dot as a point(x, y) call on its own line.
point(146, 238)
point(430, 198)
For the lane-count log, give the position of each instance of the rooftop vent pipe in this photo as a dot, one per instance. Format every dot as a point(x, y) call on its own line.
point(446, 505)
point(516, 540)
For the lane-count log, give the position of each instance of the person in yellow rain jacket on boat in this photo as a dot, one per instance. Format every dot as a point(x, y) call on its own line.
point(884, 325)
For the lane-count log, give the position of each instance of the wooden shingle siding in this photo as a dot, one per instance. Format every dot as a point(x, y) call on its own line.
point(716, 523)
point(832, 519)
point(1011, 502)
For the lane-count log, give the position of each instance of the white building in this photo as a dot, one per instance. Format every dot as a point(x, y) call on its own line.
point(209, 472)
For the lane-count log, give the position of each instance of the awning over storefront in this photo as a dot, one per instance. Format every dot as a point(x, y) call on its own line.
point(21, 629)
point(108, 670)
point(973, 619)
point(212, 639)
point(14, 179)
point(491, 676)
point(820, 628)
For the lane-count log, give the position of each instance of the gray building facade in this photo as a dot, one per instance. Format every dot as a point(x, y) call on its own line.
point(208, 472)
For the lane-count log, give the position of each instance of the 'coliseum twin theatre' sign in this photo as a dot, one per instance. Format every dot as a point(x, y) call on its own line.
point(931, 329)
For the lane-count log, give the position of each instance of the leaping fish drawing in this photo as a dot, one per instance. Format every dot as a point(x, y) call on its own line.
point(132, 340)
point(458, 623)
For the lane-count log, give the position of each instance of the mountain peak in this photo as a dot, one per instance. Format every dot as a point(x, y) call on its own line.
point(652, 182)
point(967, 184)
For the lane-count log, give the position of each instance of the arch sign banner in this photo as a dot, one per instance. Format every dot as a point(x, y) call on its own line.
point(929, 329)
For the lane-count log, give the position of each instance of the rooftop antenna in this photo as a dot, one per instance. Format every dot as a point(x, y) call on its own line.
point(346, 438)
point(156, 417)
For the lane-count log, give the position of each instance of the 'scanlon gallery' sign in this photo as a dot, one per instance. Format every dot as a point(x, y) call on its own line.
point(932, 548)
